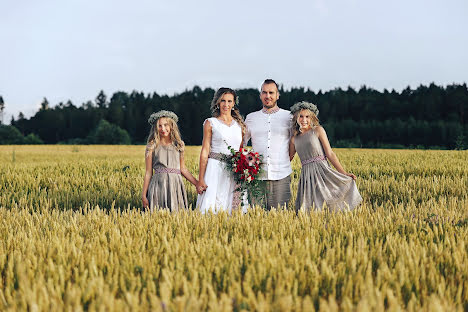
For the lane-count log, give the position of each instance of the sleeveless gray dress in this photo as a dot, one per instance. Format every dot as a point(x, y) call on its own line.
point(319, 184)
point(166, 188)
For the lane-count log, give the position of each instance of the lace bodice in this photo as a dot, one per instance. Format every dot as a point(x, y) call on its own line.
point(223, 135)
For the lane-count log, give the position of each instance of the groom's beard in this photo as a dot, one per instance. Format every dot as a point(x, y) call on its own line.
point(269, 105)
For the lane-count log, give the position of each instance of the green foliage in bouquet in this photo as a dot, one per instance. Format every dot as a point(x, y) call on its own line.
point(244, 166)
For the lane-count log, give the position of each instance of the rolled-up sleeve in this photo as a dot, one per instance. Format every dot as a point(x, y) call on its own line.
point(247, 134)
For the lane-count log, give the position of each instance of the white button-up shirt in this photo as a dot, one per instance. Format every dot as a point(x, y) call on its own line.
point(270, 134)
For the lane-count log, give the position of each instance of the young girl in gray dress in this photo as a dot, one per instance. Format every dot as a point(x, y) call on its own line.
point(165, 156)
point(319, 184)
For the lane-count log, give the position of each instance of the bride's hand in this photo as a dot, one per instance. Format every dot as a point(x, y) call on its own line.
point(351, 175)
point(201, 186)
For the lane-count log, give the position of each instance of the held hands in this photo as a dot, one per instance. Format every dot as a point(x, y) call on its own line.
point(201, 186)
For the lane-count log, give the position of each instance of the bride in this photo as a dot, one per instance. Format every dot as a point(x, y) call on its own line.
point(215, 186)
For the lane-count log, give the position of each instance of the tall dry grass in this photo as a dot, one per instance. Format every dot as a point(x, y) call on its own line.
point(73, 238)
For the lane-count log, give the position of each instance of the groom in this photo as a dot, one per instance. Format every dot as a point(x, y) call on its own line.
point(269, 130)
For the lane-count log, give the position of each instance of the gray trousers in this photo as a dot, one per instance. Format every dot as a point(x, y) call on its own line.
point(276, 193)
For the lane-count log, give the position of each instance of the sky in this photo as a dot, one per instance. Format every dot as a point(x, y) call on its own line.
point(70, 50)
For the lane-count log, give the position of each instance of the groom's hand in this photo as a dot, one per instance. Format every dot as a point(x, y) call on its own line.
point(201, 186)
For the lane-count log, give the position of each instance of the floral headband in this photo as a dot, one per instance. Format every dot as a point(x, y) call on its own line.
point(304, 105)
point(163, 113)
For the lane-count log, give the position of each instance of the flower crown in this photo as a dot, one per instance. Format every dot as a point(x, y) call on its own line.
point(163, 113)
point(304, 105)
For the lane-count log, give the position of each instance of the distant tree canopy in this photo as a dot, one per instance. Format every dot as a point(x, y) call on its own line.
point(11, 135)
point(107, 133)
point(428, 116)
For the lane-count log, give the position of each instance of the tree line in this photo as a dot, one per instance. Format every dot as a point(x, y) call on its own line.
point(425, 117)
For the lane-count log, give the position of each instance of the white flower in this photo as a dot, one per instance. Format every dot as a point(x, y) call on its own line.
point(249, 178)
point(163, 113)
point(246, 172)
point(304, 105)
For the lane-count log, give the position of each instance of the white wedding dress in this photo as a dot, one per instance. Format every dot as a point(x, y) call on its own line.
point(220, 195)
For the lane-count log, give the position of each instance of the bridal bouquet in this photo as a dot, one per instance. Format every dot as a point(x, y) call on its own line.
point(245, 165)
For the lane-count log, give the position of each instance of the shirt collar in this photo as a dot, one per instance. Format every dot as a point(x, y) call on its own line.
point(275, 110)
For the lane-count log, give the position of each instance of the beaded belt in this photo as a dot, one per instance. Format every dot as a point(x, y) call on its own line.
point(217, 156)
point(314, 159)
point(161, 169)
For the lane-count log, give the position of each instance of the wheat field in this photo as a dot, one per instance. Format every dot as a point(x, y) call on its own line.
point(73, 237)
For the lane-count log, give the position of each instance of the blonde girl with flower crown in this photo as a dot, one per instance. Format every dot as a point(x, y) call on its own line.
point(163, 186)
point(319, 185)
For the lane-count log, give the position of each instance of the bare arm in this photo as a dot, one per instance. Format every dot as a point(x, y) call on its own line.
point(292, 149)
point(205, 151)
point(322, 135)
point(147, 178)
point(242, 142)
point(184, 171)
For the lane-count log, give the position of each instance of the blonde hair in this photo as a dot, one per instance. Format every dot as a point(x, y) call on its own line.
point(214, 107)
point(295, 125)
point(154, 140)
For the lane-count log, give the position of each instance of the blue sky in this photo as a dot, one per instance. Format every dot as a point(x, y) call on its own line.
point(72, 49)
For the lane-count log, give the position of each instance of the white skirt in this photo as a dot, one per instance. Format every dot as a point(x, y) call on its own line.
point(219, 195)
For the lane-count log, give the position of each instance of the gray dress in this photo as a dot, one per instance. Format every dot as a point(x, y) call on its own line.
point(166, 188)
point(319, 184)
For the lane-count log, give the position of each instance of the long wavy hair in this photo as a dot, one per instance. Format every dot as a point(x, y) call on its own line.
point(295, 124)
point(214, 107)
point(154, 140)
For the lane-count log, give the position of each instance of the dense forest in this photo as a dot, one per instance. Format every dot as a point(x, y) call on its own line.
point(426, 117)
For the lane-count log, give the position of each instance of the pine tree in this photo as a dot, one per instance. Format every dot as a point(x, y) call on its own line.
point(2, 108)
point(101, 100)
point(44, 105)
